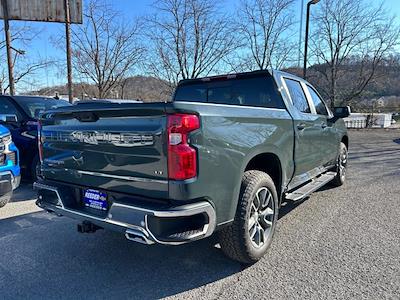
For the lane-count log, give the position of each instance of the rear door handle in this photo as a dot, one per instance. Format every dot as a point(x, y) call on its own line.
point(323, 125)
point(301, 126)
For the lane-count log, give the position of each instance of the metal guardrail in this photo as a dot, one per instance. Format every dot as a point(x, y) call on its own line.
point(357, 123)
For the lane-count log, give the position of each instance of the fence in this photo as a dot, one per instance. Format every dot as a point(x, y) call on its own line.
point(355, 122)
point(360, 120)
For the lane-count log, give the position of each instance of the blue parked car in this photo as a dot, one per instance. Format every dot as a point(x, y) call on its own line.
point(22, 113)
point(9, 167)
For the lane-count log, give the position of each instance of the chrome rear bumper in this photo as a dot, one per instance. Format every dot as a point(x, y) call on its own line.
point(139, 224)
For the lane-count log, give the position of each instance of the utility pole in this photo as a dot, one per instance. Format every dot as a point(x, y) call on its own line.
point(68, 45)
point(306, 37)
point(8, 47)
point(301, 32)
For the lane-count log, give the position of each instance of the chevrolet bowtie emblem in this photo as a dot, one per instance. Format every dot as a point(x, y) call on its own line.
point(79, 161)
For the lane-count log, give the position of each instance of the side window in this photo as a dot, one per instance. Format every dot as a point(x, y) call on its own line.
point(8, 108)
point(297, 94)
point(318, 103)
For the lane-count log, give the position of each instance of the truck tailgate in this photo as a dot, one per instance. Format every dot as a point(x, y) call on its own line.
point(117, 147)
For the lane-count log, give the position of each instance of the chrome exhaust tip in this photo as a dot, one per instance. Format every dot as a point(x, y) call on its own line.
point(138, 236)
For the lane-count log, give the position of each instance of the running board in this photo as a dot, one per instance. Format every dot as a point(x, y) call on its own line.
point(310, 187)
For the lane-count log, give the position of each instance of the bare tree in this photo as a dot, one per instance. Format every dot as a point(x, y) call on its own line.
point(24, 72)
point(105, 50)
point(21, 35)
point(265, 27)
point(351, 37)
point(190, 38)
point(25, 67)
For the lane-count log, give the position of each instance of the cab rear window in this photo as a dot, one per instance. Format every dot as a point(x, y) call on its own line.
point(259, 91)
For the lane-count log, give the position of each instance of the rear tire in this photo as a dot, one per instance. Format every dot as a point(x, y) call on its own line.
point(341, 169)
point(250, 235)
point(5, 199)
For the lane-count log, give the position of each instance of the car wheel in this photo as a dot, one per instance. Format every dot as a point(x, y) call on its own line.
point(5, 199)
point(341, 169)
point(249, 236)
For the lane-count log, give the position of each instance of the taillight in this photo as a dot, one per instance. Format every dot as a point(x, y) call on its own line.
point(40, 142)
point(182, 158)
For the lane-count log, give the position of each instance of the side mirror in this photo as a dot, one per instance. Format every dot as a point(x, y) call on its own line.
point(341, 112)
point(8, 119)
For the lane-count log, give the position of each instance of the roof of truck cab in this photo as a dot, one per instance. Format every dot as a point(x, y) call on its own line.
point(16, 97)
point(287, 74)
point(120, 101)
point(228, 76)
point(27, 98)
point(251, 74)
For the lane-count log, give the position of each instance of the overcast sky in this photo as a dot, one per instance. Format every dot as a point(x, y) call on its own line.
point(130, 9)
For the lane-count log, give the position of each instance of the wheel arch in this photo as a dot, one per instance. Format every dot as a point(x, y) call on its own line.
point(270, 164)
point(267, 161)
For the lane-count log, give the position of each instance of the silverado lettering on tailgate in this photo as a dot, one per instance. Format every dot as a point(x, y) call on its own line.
point(100, 137)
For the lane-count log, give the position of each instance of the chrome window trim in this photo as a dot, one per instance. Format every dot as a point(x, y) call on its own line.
point(309, 86)
point(312, 109)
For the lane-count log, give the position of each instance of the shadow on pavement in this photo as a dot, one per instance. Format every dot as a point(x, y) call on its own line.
point(24, 192)
point(47, 258)
point(288, 206)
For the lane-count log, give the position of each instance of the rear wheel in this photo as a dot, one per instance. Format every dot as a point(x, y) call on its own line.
point(249, 236)
point(341, 169)
point(5, 199)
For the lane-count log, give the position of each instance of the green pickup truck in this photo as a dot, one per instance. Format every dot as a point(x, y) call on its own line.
point(220, 158)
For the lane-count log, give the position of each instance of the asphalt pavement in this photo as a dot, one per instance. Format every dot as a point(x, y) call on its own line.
point(339, 243)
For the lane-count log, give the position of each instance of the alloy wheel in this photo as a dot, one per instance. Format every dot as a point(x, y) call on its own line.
point(262, 214)
point(343, 163)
